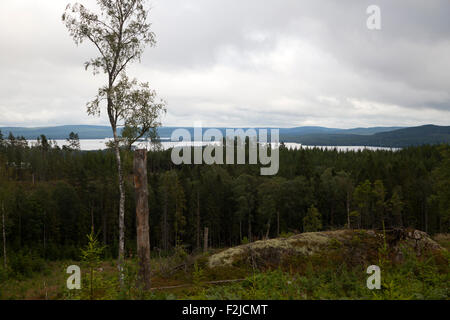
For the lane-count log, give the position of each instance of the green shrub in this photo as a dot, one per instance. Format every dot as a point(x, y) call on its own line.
point(24, 264)
point(4, 274)
point(244, 240)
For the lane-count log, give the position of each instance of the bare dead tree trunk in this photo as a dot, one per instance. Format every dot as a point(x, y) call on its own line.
point(278, 223)
point(176, 225)
point(4, 235)
point(45, 240)
point(332, 213)
point(205, 240)
point(142, 213)
point(20, 229)
point(105, 235)
point(92, 219)
point(121, 209)
point(401, 219)
point(198, 220)
point(268, 229)
point(348, 209)
point(249, 227)
point(165, 227)
point(424, 208)
point(240, 230)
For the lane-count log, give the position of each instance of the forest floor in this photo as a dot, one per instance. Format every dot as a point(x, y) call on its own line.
point(302, 266)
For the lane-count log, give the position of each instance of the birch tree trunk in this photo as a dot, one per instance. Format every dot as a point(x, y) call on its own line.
point(348, 209)
point(165, 231)
point(278, 223)
point(92, 219)
point(142, 213)
point(45, 239)
point(121, 208)
point(198, 221)
point(205, 240)
point(240, 230)
point(249, 227)
point(4, 235)
point(268, 229)
point(424, 208)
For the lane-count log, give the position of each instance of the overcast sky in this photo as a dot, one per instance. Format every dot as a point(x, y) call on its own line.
point(238, 63)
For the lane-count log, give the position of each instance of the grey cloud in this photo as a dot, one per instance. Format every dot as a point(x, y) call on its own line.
point(280, 63)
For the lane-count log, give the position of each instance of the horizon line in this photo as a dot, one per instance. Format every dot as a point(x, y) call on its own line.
point(230, 127)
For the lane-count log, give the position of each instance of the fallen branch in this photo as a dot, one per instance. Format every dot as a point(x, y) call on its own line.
point(190, 285)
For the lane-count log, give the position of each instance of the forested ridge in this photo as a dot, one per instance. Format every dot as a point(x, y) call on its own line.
point(52, 197)
point(404, 137)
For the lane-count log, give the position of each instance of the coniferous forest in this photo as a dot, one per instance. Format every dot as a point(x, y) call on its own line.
point(59, 207)
point(53, 197)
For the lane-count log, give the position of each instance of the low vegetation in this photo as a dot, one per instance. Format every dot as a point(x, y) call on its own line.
point(411, 268)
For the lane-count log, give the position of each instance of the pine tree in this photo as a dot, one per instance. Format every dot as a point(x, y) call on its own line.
point(312, 222)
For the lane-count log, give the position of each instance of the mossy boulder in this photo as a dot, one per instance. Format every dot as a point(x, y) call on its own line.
point(348, 246)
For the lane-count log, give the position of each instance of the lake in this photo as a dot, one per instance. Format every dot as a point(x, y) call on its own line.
point(100, 144)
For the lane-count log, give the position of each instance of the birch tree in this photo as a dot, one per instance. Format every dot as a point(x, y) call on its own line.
point(4, 196)
point(119, 30)
point(3, 235)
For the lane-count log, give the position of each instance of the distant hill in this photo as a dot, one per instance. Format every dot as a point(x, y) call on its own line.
point(323, 134)
point(101, 132)
point(308, 135)
point(369, 131)
point(60, 132)
point(428, 134)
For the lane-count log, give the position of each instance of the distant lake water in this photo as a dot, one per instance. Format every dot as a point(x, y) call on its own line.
point(100, 144)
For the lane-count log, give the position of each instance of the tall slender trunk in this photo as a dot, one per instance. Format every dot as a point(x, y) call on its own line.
point(121, 209)
point(165, 229)
point(92, 219)
point(20, 227)
point(278, 224)
point(198, 220)
point(142, 213)
point(45, 240)
point(205, 240)
point(268, 229)
point(401, 219)
point(4, 235)
point(240, 230)
point(249, 227)
point(105, 235)
point(361, 213)
point(348, 209)
point(176, 224)
point(424, 208)
point(332, 214)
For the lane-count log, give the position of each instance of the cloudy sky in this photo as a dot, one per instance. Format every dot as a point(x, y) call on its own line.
point(243, 63)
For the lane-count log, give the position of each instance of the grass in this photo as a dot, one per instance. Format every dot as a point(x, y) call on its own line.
point(443, 239)
point(37, 286)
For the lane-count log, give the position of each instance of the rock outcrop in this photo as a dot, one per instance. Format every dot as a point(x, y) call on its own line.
point(355, 245)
